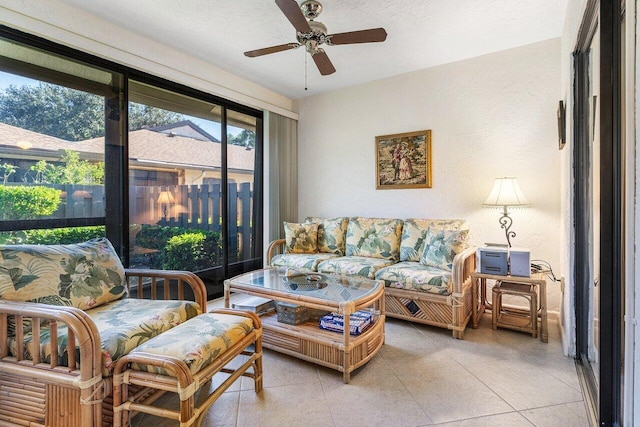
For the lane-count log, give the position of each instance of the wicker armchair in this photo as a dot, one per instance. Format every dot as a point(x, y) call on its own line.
point(73, 393)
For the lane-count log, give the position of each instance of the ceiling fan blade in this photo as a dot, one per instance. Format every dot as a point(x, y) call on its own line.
point(323, 63)
point(272, 49)
point(362, 36)
point(294, 14)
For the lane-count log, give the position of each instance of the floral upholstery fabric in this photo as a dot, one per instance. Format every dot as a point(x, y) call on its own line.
point(300, 261)
point(414, 232)
point(374, 238)
point(414, 276)
point(301, 238)
point(353, 265)
point(199, 341)
point(441, 246)
point(82, 275)
point(123, 325)
point(331, 234)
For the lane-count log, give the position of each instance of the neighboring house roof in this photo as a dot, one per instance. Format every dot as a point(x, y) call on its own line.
point(185, 128)
point(146, 148)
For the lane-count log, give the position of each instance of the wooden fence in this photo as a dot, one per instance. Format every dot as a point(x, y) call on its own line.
point(192, 207)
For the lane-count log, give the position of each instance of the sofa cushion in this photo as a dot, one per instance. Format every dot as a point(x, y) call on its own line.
point(441, 246)
point(301, 238)
point(300, 261)
point(414, 276)
point(353, 265)
point(331, 234)
point(414, 232)
point(197, 342)
point(123, 325)
point(374, 238)
point(82, 275)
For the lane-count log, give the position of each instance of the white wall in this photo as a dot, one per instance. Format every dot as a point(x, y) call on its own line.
point(490, 116)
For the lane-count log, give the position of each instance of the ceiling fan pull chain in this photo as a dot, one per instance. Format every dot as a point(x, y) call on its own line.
point(305, 72)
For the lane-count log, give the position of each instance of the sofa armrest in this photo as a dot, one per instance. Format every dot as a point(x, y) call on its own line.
point(171, 284)
point(275, 247)
point(463, 265)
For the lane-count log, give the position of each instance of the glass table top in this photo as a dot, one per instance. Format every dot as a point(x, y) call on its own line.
point(313, 285)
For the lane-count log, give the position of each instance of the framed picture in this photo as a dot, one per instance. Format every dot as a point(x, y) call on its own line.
point(403, 160)
point(562, 132)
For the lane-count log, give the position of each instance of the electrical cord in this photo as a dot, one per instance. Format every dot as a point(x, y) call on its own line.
point(542, 266)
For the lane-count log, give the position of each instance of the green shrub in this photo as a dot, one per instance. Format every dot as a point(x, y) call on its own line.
point(55, 236)
point(156, 237)
point(193, 251)
point(20, 202)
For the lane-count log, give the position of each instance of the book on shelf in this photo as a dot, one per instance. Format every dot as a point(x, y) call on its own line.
point(258, 305)
point(358, 322)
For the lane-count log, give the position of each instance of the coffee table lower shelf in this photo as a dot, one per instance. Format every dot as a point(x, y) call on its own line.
point(308, 342)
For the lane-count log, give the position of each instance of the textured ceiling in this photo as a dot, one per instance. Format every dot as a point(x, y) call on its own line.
point(421, 34)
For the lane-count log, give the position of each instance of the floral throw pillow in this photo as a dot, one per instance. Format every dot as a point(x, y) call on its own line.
point(441, 246)
point(331, 234)
point(301, 238)
point(82, 275)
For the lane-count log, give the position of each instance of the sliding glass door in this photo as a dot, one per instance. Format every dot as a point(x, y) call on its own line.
point(171, 175)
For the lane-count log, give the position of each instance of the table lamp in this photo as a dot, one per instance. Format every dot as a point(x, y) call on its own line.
point(165, 198)
point(506, 193)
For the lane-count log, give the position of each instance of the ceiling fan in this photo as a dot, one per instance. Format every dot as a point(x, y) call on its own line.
point(311, 34)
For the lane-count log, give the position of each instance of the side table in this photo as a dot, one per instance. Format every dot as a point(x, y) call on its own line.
point(480, 303)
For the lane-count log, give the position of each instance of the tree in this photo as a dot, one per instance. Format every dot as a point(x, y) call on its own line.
point(141, 116)
point(71, 171)
point(69, 114)
point(246, 138)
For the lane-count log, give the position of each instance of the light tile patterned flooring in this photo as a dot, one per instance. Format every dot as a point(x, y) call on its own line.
point(421, 377)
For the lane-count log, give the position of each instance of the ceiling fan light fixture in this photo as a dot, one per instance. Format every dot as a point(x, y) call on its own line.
point(311, 34)
point(311, 9)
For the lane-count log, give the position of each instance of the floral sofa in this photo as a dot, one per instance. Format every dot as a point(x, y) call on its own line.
point(67, 313)
point(426, 264)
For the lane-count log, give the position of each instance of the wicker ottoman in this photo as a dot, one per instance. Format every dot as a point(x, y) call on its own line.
point(186, 357)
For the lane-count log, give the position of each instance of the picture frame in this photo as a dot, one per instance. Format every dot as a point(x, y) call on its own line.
point(403, 160)
point(562, 132)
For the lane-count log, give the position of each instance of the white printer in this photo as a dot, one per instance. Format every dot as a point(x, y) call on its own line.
point(502, 260)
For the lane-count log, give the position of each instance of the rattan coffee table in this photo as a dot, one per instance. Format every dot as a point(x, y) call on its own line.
point(340, 294)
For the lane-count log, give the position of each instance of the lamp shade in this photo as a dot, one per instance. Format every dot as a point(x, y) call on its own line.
point(165, 197)
point(506, 192)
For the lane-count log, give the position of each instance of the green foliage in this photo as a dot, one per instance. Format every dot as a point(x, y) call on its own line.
point(7, 170)
point(53, 110)
point(27, 202)
point(200, 250)
point(55, 236)
point(141, 116)
point(246, 138)
point(190, 251)
point(156, 237)
point(72, 171)
point(69, 114)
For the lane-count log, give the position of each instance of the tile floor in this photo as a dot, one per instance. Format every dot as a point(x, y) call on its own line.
point(420, 377)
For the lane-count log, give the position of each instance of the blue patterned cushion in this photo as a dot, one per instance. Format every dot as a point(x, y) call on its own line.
point(300, 261)
point(417, 277)
point(353, 265)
